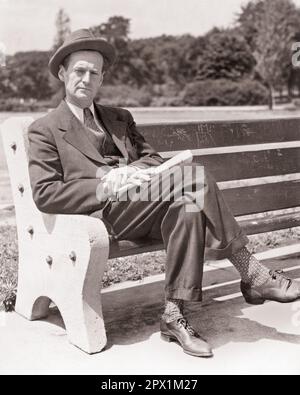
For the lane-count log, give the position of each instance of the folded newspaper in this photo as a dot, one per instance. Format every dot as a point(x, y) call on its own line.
point(183, 157)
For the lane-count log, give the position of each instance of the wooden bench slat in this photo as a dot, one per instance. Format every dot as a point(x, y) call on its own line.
point(242, 165)
point(126, 248)
point(262, 198)
point(180, 136)
point(270, 223)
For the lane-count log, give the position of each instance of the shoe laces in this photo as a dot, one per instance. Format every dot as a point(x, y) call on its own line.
point(183, 322)
point(277, 275)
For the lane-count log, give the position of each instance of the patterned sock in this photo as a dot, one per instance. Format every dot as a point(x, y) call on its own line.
point(173, 310)
point(251, 270)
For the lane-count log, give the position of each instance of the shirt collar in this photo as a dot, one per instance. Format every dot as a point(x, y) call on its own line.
point(78, 112)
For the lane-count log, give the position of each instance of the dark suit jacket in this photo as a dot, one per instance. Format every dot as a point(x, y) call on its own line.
point(63, 163)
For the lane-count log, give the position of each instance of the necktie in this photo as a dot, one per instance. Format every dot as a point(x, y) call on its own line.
point(97, 136)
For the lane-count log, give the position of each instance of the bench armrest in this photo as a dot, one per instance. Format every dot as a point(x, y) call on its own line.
point(62, 258)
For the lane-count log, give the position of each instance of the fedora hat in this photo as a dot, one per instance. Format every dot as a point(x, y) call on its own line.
point(81, 40)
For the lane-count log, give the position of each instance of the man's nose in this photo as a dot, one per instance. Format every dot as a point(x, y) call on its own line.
point(86, 77)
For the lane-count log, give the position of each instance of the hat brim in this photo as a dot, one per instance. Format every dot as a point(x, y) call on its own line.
point(93, 44)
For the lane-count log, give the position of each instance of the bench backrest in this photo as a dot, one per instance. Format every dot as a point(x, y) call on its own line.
point(232, 151)
point(240, 150)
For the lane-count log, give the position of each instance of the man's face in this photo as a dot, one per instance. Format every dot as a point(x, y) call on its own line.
point(82, 77)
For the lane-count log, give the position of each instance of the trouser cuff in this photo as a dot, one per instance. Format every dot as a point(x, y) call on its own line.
point(233, 247)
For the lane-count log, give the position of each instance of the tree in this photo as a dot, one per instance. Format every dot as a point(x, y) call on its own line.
point(248, 21)
point(7, 87)
point(225, 55)
point(275, 23)
point(28, 71)
point(164, 60)
point(63, 28)
point(173, 58)
point(116, 31)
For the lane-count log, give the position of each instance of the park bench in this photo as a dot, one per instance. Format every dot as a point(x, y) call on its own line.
point(62, 258)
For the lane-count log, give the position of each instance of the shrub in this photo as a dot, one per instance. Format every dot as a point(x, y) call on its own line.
point(125, 96)
point(19, 105)
point(164, 101)
point(296, 103)
point(225, 93)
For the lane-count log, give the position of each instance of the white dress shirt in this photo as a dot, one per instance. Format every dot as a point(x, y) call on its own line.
point(78, 112)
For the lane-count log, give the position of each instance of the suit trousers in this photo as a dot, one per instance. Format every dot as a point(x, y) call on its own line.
point(186, 210)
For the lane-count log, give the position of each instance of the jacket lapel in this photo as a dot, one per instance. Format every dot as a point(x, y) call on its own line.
point(76, 134)
point(116, 128)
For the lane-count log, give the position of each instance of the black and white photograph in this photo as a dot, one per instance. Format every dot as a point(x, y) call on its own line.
point(149, 190)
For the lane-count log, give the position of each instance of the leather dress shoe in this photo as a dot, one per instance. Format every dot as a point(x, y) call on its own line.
point(180, 331)
point(277, 288)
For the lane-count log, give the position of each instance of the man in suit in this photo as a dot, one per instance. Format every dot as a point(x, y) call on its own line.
point(75, 153)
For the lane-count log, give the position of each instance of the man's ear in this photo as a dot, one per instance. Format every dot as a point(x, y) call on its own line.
point(61, 74)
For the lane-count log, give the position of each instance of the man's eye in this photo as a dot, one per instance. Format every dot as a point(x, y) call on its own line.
point(79, 71)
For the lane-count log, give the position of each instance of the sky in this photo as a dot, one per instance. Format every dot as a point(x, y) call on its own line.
point(30, 24)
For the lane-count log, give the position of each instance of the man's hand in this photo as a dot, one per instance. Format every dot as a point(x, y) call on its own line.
point(117, 178)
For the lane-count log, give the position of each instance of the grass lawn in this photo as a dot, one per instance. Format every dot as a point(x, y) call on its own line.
point(8, 262)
